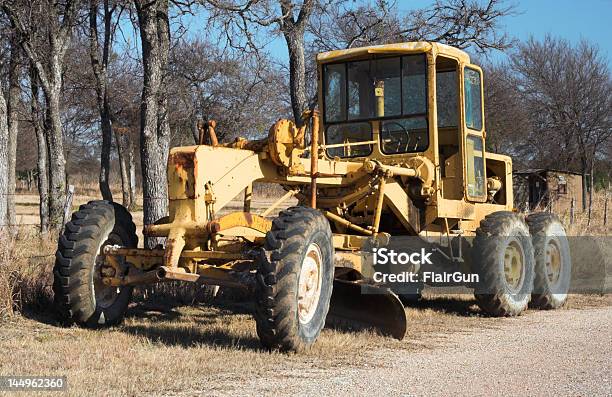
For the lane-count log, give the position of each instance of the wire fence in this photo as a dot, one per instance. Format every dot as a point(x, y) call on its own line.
point(36, 256)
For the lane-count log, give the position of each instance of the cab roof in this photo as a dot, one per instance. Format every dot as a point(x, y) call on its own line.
point(413, 47)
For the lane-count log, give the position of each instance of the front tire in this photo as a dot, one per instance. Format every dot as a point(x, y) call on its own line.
point(553, 263)
point(80, 295)
point(294, 280)
point(504, 261)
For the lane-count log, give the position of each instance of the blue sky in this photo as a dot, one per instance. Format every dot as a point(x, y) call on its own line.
point(570, 19)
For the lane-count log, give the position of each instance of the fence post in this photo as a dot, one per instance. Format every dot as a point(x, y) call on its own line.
point(67, 206)
point(606, 210)
point(572, 209)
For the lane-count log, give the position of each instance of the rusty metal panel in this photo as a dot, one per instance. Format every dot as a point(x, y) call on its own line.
point(182, 167)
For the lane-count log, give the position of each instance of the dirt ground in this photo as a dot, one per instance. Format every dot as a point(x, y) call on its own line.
point(213, 350)
point(163, 348)
point(547, 353)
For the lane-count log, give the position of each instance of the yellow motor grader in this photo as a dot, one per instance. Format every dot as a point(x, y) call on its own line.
point(396, 149)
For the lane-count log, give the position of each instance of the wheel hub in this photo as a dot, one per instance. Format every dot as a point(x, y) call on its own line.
point(309, 284)
point(553, 262)
point(514, 265)
point(104, 295)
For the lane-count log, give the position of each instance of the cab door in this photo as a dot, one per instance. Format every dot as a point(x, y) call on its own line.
point(474, 134)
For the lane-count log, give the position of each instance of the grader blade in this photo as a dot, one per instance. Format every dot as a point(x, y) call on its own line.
point(362, 306)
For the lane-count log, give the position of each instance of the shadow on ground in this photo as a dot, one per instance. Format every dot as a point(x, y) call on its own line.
point(214, 325)
point(225, 322)
point(450, 305)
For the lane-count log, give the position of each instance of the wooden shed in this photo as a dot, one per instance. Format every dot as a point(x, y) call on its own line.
point(547, 189)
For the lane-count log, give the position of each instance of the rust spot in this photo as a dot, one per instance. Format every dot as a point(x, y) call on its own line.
point(249, 218)
point(182, 160)
point(169, 250)
point(214, 227)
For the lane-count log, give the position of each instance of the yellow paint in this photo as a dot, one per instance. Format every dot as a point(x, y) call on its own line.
point(202, 180)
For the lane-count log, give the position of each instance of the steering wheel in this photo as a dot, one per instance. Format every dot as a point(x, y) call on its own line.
point(402, 129)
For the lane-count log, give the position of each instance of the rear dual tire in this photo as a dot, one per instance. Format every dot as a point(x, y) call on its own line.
point(504, 261)
point(553, 265)
point(540, 245)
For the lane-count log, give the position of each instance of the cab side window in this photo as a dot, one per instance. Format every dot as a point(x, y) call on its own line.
point(447, 98)
point(473, 100)
point(475, 167)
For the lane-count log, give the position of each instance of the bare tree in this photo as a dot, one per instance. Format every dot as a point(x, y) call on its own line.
point(460, 23)
point(346, 24)
point(293, 25)
point(568, 92)
point(591, 107)
point(127, 166)
point(289, 18)
point(13, 107)
point(4, 135)
point(228, 87)
point(335, 24)
point(44, 29)
point(99, 62)
point(506, 113)
point(37, 125)
point(154, 29)
point(125, 101)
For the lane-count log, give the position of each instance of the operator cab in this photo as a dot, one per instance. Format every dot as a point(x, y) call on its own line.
point(396, 101)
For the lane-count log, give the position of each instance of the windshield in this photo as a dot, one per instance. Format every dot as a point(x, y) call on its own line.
point(376, 88)
point(392, 89)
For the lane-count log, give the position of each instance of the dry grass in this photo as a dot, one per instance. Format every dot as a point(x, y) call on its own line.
point(595, 227)
point(166, 348)
point(25, 271)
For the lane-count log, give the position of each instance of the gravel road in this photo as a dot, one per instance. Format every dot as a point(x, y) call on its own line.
point(565, 352)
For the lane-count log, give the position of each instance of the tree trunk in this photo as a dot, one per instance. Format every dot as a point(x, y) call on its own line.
point(14, 93)
point(123, 171)
point(131, 163)
point(4, 135)
point(583, 171)
point(154, 134)
point(107, 139)
point(99, 67)
point(297, 73)
point(163, 119)
point(43, 181)
point(194, 129)
point(57, 163)
point(126, 166)
point(46, 51)
point(591, 187)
